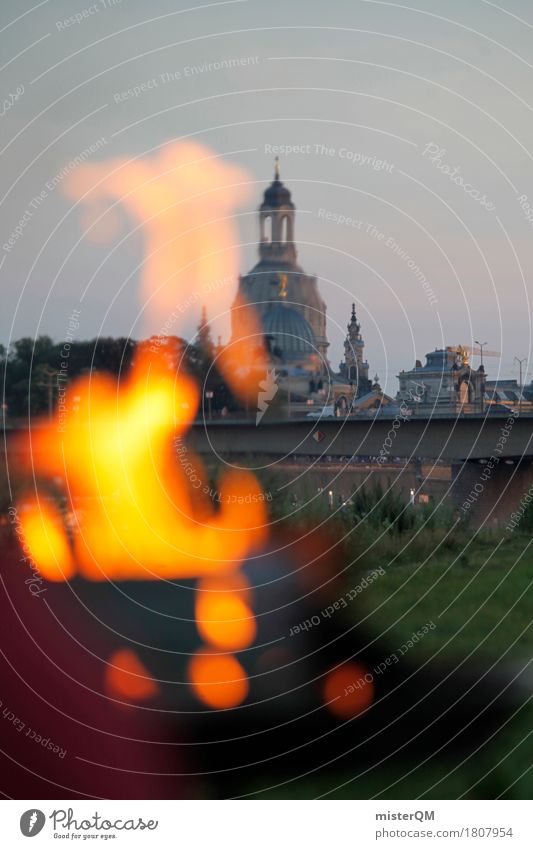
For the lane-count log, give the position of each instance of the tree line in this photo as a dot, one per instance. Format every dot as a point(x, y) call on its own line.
point(32, 368)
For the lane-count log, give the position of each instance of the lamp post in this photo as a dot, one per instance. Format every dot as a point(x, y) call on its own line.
point(48, 384)
point(481, 345)
point(209, 395)
point(520, 361)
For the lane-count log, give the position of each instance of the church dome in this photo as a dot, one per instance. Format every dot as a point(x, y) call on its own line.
point(277, 195)
point(289, 330)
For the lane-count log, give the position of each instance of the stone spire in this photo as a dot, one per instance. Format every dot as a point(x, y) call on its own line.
point(355, 368)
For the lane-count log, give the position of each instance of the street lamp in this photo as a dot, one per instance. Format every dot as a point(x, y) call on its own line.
point(209, 396)
point(520, 361)
point(48, 384)
point(481, 345)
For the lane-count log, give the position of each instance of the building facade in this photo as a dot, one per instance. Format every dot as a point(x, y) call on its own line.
point(446, 381)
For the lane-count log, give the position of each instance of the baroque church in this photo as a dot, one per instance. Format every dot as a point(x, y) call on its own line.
point(285, 298)
point(293, 313)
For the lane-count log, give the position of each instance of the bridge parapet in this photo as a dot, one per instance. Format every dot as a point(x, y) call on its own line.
point(463, 438)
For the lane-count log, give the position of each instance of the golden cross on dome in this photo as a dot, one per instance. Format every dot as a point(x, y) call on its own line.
point(276, 168)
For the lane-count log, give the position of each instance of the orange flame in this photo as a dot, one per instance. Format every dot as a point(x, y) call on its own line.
point(136, 515)
point(243, 363)
point(139, 518)
point(183, 199)
point(45, 537)
point(110, 448)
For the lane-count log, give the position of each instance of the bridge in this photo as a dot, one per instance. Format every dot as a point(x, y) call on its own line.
point(451, 439)
point(459, 438)
point(461, 444)
point(487, 493)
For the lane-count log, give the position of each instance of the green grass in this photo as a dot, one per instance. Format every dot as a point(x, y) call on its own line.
point(476, 586)
point(480, 598)
point(477, 589)
point(479, 594)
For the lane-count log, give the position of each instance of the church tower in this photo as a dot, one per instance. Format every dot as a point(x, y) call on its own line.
point(276, 223)
point(278, 269)
point(355, 368)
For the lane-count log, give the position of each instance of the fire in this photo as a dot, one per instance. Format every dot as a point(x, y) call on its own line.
point(109, 453)
point(244, 362)
point(183, 198)
point(135, 514)
point(44, 534)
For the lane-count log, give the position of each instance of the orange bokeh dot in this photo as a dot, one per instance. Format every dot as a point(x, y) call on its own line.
point(347, 692)
point(218, 680)
point(223, 617)
point(127, 676)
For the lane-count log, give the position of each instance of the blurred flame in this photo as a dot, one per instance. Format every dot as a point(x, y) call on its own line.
point(113, 452)
point(133, 512)
point(244, 361)
point(45, 537)
point(140, 519)
point(183, 198)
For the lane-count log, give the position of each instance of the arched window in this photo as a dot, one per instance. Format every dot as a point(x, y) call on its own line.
point(267, 228)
